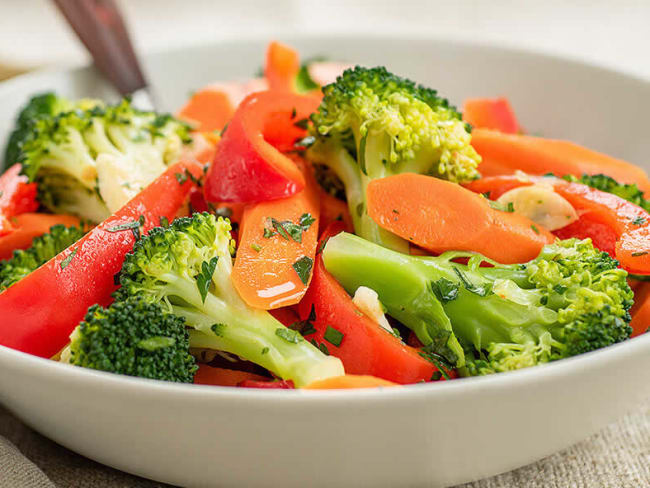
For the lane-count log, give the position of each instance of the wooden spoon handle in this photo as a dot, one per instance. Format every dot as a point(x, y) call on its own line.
point(99, 25)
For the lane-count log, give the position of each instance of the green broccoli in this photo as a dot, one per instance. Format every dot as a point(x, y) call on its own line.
point(133, 337)
point(570, 300)
point(89, 158)
point(372, 124)
point(601, 182)
point(187, 267)
point(41, 105)
point(43, 249)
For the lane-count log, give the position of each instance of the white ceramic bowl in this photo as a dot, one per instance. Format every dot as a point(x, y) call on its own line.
point(421, 435)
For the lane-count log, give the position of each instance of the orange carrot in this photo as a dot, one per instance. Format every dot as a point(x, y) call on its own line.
point(282, 67)
point(30, 225)
point(208, 375)
point(349, 381)
point(208, 109)
point(640, 311)
point(440, 216)
point(332, 209)
point(504, 154)
point(491, 113)
point(266, 268)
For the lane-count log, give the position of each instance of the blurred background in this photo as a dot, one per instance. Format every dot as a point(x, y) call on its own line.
point(605, 32)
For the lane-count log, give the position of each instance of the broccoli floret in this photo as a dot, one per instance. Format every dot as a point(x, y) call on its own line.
point(570, 300)
point(41, 105)
point(90, 158)
point(43, 249)
point(133, 337)
point(372, 124)
point(187, 267)
point(601, 182)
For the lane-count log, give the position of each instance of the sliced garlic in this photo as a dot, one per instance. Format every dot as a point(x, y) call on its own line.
point(541, 204)
point(367, 301)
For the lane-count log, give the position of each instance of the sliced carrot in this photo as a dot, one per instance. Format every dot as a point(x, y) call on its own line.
point(208, 109)
point(30, 225)
point(265, 271)
point(491, 113)
point(503, 154)
point(348, 381)
point(614, 225)
point(208, 375)
point(282, 67)
point(640, 311)
point(333, 209)
point(441, 216)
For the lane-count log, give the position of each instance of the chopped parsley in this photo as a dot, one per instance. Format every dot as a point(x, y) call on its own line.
point(639, 253)
point(333, 336)
point(287, 229)
point(133, 226)
point(204, 277)
point(302, 267)
point(289, 335)
point(639, 221)
point(302, 123)
point(256, 247)
point(68, 258)
point(265, 350)
point(481, 291)
point(535, 229)
point(507, 207)
point(445, 290)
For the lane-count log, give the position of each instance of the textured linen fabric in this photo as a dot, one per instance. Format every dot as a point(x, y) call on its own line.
point(616, 457)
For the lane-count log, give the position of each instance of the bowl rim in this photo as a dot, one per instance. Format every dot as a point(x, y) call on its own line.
point(45, 367)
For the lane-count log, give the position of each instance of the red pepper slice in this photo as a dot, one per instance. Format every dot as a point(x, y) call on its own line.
point(491, 113)
point(249, 165)
point(41, 310)
point(604, 217)
point(17, 196)
point(365, 348)
point(277, 384)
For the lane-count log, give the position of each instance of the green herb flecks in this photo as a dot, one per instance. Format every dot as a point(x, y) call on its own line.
point(204, 277)
point(302, 267)
point(68, 258)
point(333, 336)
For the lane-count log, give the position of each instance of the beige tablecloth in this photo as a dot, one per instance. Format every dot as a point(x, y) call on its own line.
point(617, 457)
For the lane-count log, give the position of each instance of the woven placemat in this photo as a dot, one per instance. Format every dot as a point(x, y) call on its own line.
point(616, 457)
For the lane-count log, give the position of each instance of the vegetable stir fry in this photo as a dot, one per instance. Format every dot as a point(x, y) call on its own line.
point(323, 226)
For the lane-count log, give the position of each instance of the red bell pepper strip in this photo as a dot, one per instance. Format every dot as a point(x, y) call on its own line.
point(209, 375)
point(269, 385)
point(491, 113)
point(41, 310)
point(604, 217)
point(17, 196)
point(365, 348)
point(503, 154)
point(29, 225)
point(249, 165)
point(630, 222)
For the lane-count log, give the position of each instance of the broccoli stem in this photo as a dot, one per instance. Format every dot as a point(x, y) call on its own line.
point(355, 183)
point(250, 334)
point(407, 286)
point(400, 283)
